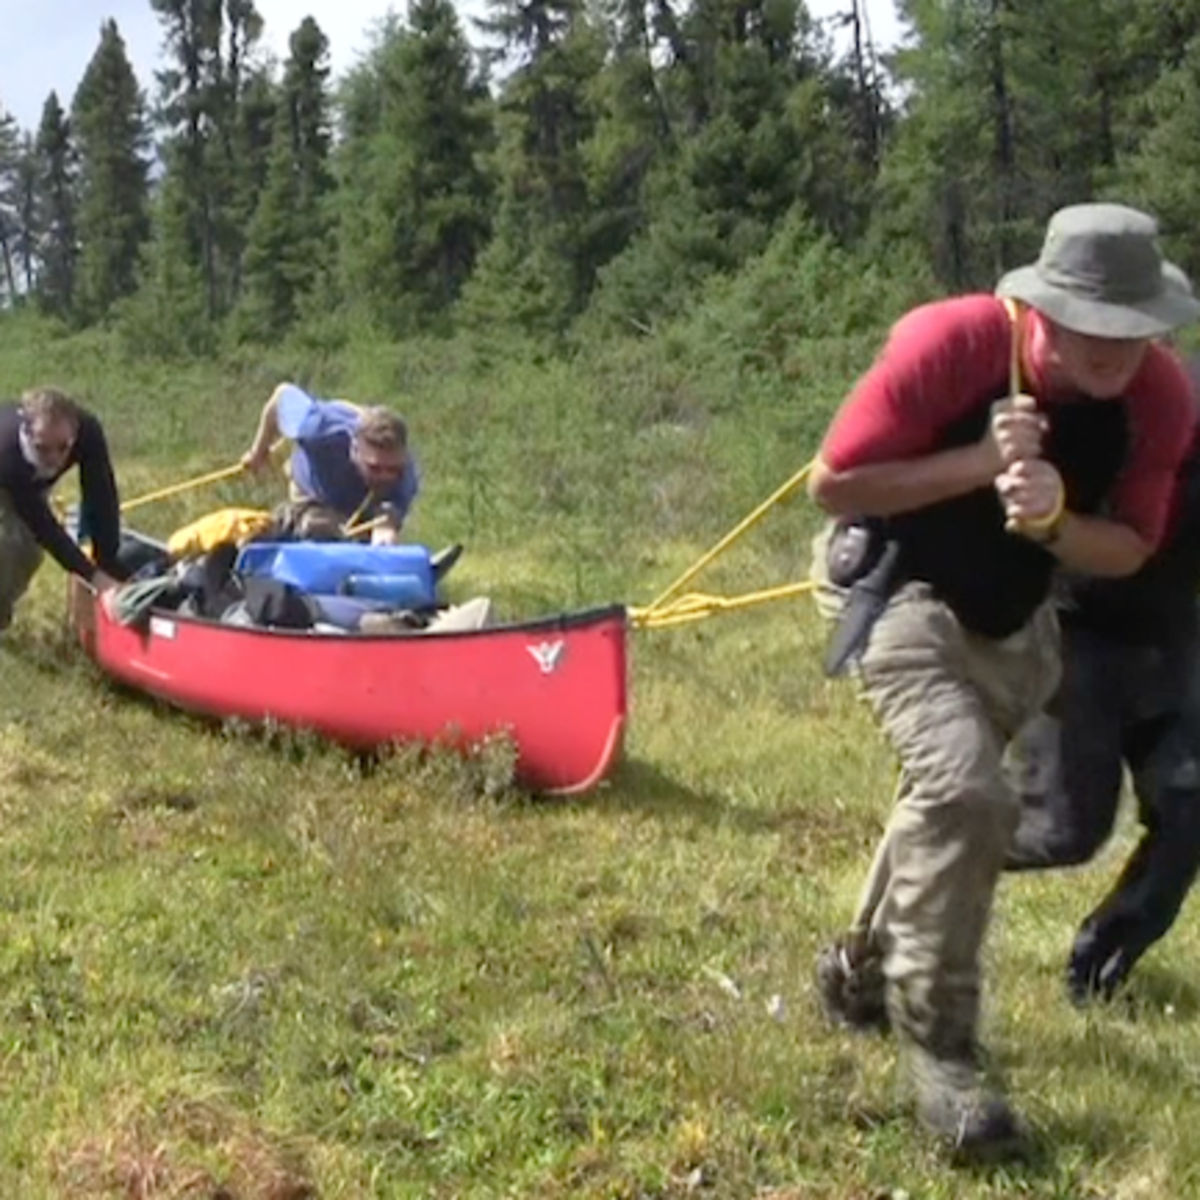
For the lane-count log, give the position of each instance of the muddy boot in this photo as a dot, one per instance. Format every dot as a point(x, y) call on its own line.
point(956, 1104)
point(850, 984)
point(954, 1099)
point(1095, 971)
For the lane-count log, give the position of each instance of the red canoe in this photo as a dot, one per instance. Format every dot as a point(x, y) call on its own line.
point(557, 685)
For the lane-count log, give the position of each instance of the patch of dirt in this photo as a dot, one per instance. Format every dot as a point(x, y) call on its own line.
point(187, 1150)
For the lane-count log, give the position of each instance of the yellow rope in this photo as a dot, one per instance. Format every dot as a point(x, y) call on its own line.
point(662, 612)
point(165, 493)
point(696, 606)
point(187, 485)
point(355, 530)
point(1014, 353)
point(354, 522)
point(779, 494)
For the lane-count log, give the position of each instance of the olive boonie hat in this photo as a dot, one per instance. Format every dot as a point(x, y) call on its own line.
point(1101, 273)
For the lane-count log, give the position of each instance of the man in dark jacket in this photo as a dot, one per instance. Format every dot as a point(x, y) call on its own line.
point(1130, 696)
point(42, 438)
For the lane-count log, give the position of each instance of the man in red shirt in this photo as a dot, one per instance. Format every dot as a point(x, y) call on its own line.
point(956, 495)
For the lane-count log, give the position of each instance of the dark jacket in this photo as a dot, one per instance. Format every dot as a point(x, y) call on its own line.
point(994, 580)
point(1158, 604)
point(29, 494)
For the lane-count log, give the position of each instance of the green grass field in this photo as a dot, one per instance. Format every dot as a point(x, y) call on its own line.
point(238, 965)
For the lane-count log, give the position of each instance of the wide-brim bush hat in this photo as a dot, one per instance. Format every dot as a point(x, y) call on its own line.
point(1101, 273)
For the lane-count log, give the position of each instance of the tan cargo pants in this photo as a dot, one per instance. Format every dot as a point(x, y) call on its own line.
point(949, 702)
point(20, 557)
point(300, 516)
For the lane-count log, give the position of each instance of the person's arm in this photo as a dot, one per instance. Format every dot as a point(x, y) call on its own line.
point(99, 498)
point(387, 526)
point(396, 504)
point(887, 488)
point(1095, 546)
point(29, 503)
point(400, 498)
point(880, 455)
point(1163, 417)
point(266, 435)
point(1034, 502)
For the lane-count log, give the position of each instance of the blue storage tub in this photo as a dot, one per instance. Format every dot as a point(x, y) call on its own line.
point(401, 575)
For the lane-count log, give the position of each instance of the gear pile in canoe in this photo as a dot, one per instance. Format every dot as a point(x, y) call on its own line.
point(349, 641)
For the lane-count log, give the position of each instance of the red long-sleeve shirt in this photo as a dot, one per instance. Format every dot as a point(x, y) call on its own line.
point(943, 359)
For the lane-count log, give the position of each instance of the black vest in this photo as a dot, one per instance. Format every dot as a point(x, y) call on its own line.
point(1158, 604)
point(991, 579)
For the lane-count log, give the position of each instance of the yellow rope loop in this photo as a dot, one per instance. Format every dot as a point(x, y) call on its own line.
point(696, 606)
point(749, 522)
point(664, 611)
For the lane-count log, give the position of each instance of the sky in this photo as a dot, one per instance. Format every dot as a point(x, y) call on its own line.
point(46, 44)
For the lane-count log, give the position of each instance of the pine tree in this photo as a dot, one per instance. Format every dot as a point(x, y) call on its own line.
point(540, 266)
point(288, 245)
point(10, 157)
point(168, 314)
point(108, 119)
point(210, 42)
point(27, 195)
point(272, 267)
point(415, 201)
point(634, 129)
point(1162, 173)
point(58, 244)
point(938, 180)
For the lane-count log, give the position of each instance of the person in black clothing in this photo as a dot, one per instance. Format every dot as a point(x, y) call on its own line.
point(1130, 695)
point(41, 438)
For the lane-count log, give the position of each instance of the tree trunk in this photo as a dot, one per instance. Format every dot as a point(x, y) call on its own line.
point(1004, 154)
point(9, 277)
point(865, 78)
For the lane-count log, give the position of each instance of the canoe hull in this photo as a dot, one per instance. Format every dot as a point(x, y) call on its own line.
point(556, 686)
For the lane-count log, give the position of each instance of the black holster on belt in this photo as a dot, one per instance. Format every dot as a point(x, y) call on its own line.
point(862, 558)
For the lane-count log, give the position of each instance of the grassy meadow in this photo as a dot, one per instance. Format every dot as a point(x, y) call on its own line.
point(236, 965)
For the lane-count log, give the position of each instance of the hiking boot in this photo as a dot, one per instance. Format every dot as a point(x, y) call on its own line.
point(851, 985)
point(1093, 977)
point(959, 1109)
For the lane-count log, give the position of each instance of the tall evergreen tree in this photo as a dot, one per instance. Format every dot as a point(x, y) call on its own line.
point(634, 126)
point(288, 245)
point(938, 179)
point(415, 199)
point(27, 196)
point(255, 123)
point(168, 314)
point(108, 118)
point(540, 266)
point(10, 209)
point(1163, 172)
point(209, 42)
point(58, 240)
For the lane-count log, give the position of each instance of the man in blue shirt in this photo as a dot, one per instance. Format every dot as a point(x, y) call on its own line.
point(349, 465)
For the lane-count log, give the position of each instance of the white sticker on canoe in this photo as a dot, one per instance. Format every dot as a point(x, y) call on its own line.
point(548, 655)
point(161, 627)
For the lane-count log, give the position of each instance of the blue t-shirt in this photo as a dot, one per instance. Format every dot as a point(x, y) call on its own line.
point(321, 465)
